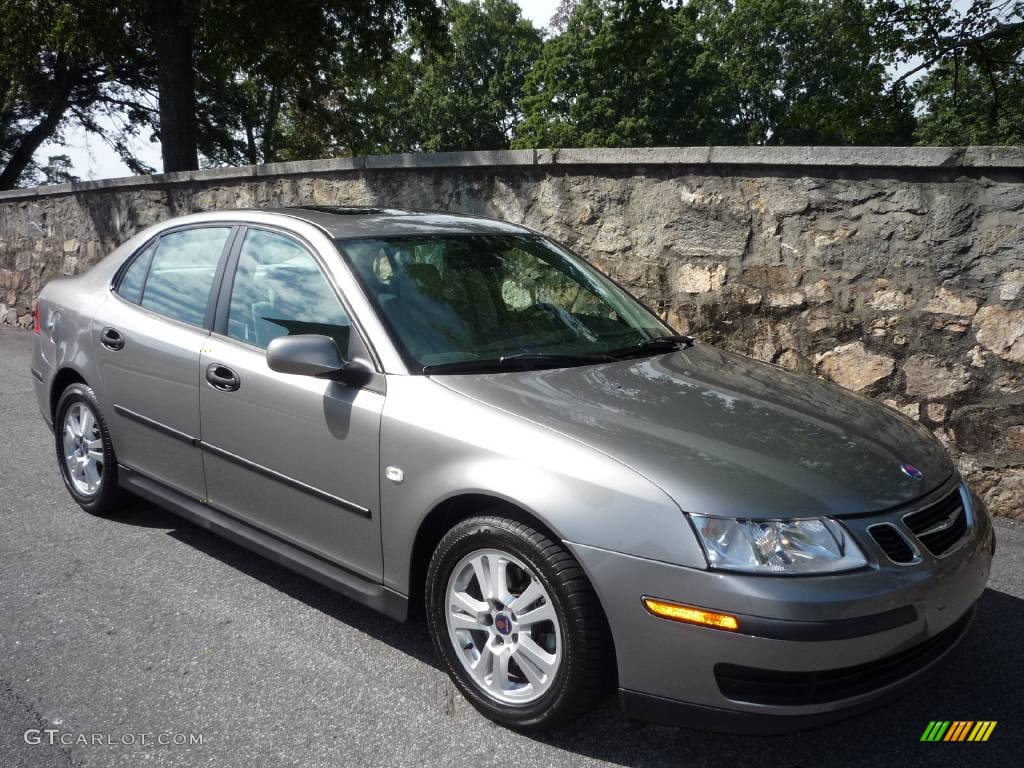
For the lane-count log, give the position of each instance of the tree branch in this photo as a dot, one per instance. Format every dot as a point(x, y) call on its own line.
point(951, 44)
point(21, 157)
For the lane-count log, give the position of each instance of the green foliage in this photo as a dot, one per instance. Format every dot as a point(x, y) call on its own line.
point(642, 72)
point(974, 99)
point(314, 78)
point(57, 170)
point(808, 72)
point(456, 87)
point(626, 73)
point(972, 54)
point(361, 111)
point(308, 78)
point(468, 94)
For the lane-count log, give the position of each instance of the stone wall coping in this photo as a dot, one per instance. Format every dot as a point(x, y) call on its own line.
point(1011, 157)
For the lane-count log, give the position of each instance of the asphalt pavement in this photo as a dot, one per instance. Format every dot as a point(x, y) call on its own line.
point(145, 628)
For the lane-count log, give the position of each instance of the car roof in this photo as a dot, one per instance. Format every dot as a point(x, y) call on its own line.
point(366, 221)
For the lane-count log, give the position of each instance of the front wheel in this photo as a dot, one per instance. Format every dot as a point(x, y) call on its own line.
point(517, 624)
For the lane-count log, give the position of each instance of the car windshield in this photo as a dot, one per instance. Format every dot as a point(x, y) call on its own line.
point(474, 301)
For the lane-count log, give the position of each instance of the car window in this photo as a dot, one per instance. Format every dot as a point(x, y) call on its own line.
point(279, 290)
point(130, 287)
point(182, 273)
point(477, 297)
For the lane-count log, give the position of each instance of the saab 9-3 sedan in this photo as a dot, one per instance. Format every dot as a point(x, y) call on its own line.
point(457, 418)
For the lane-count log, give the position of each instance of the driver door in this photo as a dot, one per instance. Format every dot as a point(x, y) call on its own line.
point(295, 456)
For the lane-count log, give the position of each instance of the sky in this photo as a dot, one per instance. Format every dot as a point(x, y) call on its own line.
point(91, 158)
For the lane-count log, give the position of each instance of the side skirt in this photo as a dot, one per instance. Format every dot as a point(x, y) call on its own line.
point(333, 576)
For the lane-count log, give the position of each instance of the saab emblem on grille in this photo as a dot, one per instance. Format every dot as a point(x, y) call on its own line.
point(911, 471)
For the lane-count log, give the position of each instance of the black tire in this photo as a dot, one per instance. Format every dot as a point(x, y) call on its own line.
point(586, 673)
point(109, 499)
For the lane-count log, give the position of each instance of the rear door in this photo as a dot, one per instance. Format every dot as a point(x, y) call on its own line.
point(148, 338)
point(293, 455)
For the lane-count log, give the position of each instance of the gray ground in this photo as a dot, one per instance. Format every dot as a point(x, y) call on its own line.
point(149, 625)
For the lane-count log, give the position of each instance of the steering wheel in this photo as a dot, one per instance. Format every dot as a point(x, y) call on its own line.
point(565, 318)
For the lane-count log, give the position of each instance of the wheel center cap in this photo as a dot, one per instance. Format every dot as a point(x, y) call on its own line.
point(503, 623)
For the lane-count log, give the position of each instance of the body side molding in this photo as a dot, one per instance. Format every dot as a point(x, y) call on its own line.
point(345, 504)
point(336, 577)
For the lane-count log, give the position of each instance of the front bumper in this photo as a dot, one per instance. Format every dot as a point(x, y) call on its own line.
point(841, 628)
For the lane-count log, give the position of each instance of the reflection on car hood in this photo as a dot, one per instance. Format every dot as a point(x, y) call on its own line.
point(723, 434)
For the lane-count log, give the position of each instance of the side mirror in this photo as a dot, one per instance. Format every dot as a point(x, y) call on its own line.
point(313, 355)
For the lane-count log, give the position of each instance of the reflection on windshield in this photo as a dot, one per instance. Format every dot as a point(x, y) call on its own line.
point(452, 299)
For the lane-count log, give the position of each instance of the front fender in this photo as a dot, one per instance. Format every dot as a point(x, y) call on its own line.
point(447, 444)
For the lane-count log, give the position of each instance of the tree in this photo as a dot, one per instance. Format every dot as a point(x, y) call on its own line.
point(468, 97)
point(934, 31)
point(57, 170)
point(364, 110)
point(448, 85)
point(64, 64)
point(563, 12)
point(223, 78)
point(808, 72)
point(275, 78)
point(625, 73)
point(972, 57)
point(976, 97)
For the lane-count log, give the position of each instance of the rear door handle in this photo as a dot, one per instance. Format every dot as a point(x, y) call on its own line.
point(223, 378)
point(111, 338)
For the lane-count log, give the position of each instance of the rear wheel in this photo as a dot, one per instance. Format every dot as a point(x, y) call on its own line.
point(517, 624)
point(85, 453)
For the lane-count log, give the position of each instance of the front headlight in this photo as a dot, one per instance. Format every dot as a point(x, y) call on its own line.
point(807, 545)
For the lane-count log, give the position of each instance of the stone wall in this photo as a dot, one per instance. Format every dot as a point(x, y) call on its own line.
point(898, 273)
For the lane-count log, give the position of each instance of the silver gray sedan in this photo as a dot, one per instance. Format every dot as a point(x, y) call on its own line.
point(455, 417)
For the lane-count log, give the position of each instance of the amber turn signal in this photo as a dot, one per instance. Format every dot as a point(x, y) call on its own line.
point(690, 615)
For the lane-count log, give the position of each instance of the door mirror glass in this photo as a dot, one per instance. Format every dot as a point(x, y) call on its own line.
point(306, 355)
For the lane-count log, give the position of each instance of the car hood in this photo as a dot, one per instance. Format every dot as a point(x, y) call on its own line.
point(726, 435)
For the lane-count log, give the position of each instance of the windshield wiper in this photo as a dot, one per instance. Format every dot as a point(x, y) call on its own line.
point(653, 345)
point(523, 361)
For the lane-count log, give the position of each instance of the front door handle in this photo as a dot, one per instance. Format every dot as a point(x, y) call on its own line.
point(223, 378)
point(111, 338)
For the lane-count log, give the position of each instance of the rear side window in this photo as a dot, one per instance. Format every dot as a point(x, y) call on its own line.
point(182, 272)
point(279, 290)
point(130, 287)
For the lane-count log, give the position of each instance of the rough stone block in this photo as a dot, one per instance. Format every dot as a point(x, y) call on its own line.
point(1001, 331)
point(854, 367)
point(931, 378)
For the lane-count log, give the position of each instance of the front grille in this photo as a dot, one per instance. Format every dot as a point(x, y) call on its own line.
point(769, 686)
point(941, 525)
point(892, 543)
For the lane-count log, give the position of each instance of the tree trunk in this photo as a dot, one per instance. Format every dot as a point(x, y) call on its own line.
point(250, 143)
point(173, 38)
point(21, 157)
point(270, 126)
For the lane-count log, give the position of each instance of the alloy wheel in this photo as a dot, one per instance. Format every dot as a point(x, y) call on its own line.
point(503, 625)
point(83, 449)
